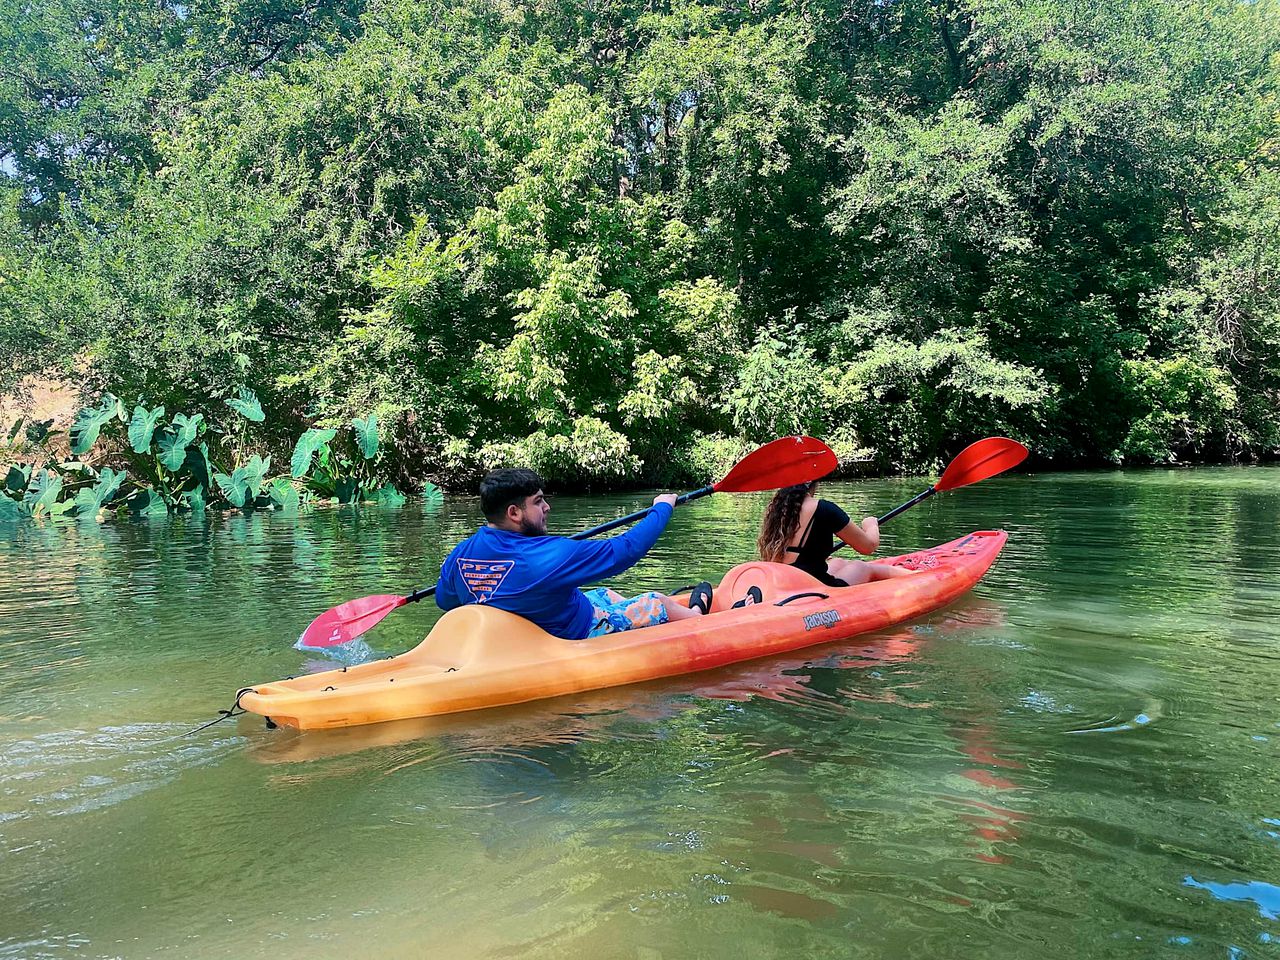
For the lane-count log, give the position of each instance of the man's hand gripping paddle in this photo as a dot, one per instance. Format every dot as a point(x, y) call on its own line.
point(782, 463)
point(978, 461)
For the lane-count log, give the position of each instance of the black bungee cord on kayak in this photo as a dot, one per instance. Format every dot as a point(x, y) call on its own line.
point(235, 711)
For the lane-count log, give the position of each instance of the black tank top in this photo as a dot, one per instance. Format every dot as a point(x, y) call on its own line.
point(816, 543)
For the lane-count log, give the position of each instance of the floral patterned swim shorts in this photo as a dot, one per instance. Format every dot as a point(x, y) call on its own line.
point(615, 613)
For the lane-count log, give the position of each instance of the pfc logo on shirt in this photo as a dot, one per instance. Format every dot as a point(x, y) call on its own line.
point(484, 577)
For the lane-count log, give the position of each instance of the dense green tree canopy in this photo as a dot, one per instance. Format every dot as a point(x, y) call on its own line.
point(621, 239)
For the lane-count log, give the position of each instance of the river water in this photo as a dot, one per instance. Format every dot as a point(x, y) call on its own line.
point(1079, 759)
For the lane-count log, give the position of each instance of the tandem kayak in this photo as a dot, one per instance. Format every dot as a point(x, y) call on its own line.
point(477, 656)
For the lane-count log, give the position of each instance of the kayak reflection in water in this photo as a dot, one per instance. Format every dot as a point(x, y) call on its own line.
point(512, 564)
point(797, 529)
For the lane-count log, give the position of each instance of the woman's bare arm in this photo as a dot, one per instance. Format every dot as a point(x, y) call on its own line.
point(864, 537)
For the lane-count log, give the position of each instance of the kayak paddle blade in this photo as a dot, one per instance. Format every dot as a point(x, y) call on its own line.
point(349, 620)
point(782, 463)
point(980, 460)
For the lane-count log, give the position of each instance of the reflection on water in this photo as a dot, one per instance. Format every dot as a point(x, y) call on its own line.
point(1080, 758)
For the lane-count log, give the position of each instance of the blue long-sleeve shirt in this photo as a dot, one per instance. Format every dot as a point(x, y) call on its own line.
point(538, 577)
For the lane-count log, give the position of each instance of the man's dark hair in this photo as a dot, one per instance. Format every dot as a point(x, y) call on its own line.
point(501, 488)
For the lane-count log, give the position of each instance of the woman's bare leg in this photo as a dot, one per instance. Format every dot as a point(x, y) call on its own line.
point(854, 572)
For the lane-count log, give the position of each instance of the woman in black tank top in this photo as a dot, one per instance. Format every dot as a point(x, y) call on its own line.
point(798, 528)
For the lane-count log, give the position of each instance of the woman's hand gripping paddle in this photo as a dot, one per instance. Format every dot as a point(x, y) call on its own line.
point(978, 461)
point(782, 463)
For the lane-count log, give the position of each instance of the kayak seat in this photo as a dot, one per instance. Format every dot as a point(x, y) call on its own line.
point(776, 581)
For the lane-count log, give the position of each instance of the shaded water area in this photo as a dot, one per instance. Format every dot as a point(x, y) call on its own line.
point(1081, 758)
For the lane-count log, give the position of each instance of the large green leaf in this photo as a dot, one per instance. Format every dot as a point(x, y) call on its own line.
point(92, 499)
point(431, 495)
point(148, 503)
point(43, 492)
point(142, 426)
point(180, 435)
point(17, 479)
point(233, 487)
point(90, 421)
point(10, 509)
point(247, 405)
point(60, 509)
point(367, 435)
point(284, 495)
point(308, 445)
point(388, 496)
point(255, 473)
point(194, 500)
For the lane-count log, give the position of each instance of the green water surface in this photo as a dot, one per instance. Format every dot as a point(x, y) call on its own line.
point(1080, 759)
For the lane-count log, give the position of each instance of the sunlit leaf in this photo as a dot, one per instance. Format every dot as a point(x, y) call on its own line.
point(92, 499)
point(148, 503)
point(90, 421)
point(247, 405)
point(43, 491)
point(142, 426)
point(308, 445)
point(255, 473)
point(388, 496)
point(284, 495)
point(234, 487)
point(367, 435)
point(180, 435)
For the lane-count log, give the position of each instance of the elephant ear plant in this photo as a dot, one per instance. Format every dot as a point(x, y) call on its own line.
point(170, 467)
point(344, 466)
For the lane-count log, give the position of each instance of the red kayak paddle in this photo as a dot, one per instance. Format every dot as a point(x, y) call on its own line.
point(978, 461)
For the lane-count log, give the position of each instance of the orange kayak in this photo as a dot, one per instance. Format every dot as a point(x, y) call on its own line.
point(477, 656)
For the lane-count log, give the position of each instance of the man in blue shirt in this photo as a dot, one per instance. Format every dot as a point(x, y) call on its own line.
point(512, 564)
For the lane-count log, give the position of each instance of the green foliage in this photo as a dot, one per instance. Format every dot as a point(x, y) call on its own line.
point(90, 421)
point(616, 242)
point(315, 440)
point(142, 426)
point(172, 470)
point(42, 493)
point(247, 405)
point(89, 500)
point(388, 496)
point(367, 435)
point(243, 487)
point(175, 440)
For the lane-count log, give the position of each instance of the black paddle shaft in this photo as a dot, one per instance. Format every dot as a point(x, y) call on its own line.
point(640, 514)
point(585, 534)
point(908, 505)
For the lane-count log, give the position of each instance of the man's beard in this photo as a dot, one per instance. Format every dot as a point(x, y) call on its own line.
point(530, 528)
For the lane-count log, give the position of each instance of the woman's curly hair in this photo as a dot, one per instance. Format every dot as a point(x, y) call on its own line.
point(781, 518)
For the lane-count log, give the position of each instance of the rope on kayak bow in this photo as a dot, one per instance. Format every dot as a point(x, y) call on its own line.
point(235, 711)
